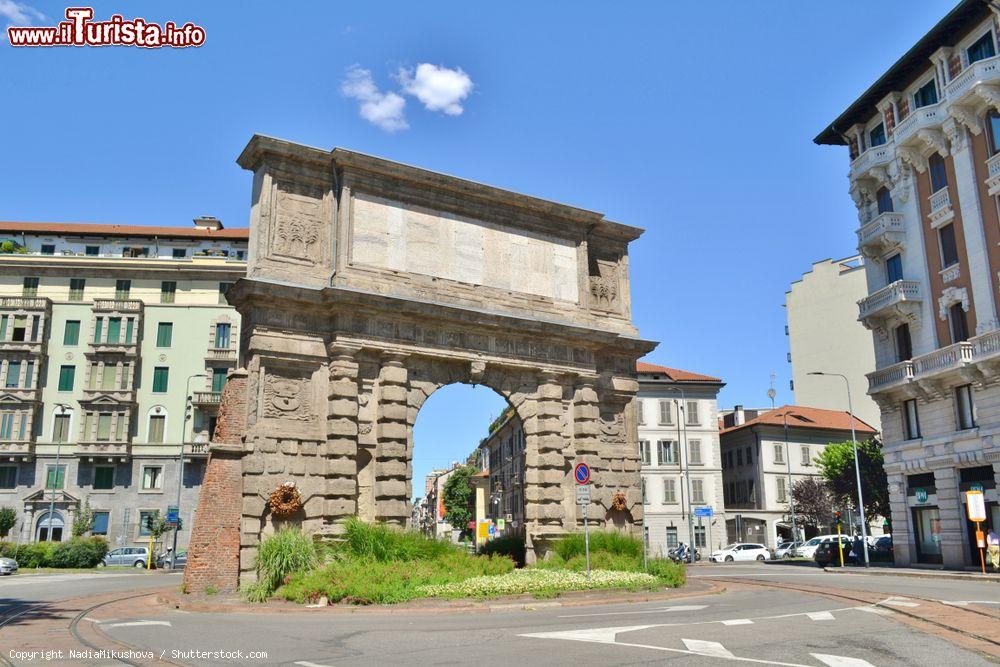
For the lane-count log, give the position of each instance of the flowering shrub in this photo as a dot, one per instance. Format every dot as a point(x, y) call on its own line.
point(539, 581)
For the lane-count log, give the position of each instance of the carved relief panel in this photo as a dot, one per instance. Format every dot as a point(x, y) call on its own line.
point(297, 230)
point(291, 396)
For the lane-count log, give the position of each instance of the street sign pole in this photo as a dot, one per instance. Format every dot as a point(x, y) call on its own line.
point(975, 508)
point(581, 473)
point(586, 538)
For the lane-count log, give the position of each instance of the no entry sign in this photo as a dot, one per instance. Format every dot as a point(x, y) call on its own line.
point(582, 473)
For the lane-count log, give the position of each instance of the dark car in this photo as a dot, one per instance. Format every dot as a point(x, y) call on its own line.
point(165, 561)
point(827, 552)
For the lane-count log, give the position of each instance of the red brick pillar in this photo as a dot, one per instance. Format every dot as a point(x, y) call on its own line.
point(214, 549)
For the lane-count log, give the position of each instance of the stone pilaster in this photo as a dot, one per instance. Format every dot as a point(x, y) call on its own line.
point(902, 534)
point(952, 522)
point(392, 452)
point(546, 467)
point(587, 449)
point(340, 453)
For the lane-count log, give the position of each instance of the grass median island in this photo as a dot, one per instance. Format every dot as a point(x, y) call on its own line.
point(378, 564)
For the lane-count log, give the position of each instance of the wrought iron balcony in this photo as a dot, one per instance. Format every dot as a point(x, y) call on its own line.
point(881, 234)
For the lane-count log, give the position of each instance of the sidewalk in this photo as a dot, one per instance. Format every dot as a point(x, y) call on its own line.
point(926, 573)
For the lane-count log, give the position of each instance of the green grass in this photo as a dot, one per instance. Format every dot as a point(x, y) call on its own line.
point(280, 555)
point(611, 551)
point(611, 542)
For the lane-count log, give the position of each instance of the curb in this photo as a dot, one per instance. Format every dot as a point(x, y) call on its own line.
point(930, 574)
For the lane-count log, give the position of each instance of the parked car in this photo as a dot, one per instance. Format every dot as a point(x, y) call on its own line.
point(133, 556)
point(740, 551)
point(826, 553)
point(883, 546)
point(165, 560)
point(8, 566)
point(808, 549)
point(784, 550)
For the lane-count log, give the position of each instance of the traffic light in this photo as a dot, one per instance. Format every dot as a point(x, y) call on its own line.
point(836, 516)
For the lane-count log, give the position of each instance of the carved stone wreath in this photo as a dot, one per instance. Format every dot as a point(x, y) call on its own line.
point(285, 500)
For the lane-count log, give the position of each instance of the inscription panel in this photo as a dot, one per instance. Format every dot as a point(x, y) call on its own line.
point(393, 235)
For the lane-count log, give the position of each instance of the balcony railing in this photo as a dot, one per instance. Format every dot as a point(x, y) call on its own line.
point(873, 157)
point(919, 119)
point(979, 72)
point(890, 375)
point(221, 354)
point(986, 346)
point(960, 355)
point(118, 305)
point(941, 210)
point(884, 231)
point(24, 303)
point(993, 175)
point(945, 358)
point(889, 296)
point(196, 449)
point(206, 397)
point(103, 448)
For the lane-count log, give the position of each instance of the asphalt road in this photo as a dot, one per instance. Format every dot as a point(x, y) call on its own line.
point(760, 626)
point(21, 588)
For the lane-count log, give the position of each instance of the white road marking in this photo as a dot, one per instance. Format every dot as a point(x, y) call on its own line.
point(306, 663)
point(899, 602)
point(132, 624)
point(840, 661)
point(875, 610)
point(599, 635)
point(772, 574)
point(738, 621)
point(820, 615)
point(714, 649)
point(682, 607)
point(966, 603)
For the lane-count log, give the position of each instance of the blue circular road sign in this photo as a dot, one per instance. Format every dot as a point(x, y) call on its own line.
point(582, 473)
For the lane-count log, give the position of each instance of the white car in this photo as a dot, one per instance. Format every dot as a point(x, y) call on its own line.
point(740, 551)
point(8, 566)
point(808, 550)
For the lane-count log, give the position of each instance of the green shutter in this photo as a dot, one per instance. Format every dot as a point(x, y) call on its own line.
point(160, 378)
point(71, 336)
point(218, 379)
point(98, 329)
point(3, 327)
point(114, 329)
point(164, 334)
point(104, 478)
point(104, 426)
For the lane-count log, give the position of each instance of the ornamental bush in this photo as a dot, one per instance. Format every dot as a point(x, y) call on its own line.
point(510, 545)
point(540, 581)
point(279, 555)
point(79, 552)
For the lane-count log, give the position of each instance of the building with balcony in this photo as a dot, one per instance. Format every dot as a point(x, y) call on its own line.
point(677, 413)
point(824, 334)
point(503, 450)
point(104, 331)
point(764, 454)
point(924, 144)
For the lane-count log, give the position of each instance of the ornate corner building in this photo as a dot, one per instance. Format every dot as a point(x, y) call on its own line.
point(370, 284)
point(924, 143)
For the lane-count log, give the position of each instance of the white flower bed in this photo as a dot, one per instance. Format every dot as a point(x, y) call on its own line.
point(530, 581)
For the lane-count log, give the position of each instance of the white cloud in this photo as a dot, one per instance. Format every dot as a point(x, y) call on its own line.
point(438, 88)
point(19, 14)
point(384, 110)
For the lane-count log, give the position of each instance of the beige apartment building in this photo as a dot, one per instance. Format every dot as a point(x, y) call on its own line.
point(824, 334)
point(924, 145)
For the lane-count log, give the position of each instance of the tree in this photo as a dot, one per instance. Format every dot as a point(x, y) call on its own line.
point(459, 499)
point(813, 502)
point(157, 524)
point(8, 517)
point(83, 522)
point(836, 465)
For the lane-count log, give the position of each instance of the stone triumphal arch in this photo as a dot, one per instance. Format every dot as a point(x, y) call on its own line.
point(370, 284)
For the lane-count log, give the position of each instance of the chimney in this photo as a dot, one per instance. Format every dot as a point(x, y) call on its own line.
point(208, 222)
point(738, 415)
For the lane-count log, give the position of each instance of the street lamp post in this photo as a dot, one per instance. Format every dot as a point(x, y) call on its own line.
point(52, 500)
point(681, 415)
point(857, 466)
point(788, 463)
point(180, 459)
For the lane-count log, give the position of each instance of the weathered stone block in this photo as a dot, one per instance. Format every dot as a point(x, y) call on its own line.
point(309, 448)
point(343, 407)
point(539, 511)
point(393, 375)
point(340, 465)
point(341, 486)
point(390, 488)
point(394, 411)
point(549, 391)
point(537, 476)
point(535, 493)
point(254, 464)
point(549, 425)
point(549, 409)
point(544, 460)
point(392, 431)
point(268, 445)
point(340, 447)
point(393, 393)
point(391, 450)
point(388, 509)
point(586, 428)
point(253, 505)
point(275, 464)
point(392, 468)
point(340, 507)
point(343, 389)
point(586, 395)
point(341, 426)
point(290, 446)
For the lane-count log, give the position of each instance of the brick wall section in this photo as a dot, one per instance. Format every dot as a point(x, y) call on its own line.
point(214, 550)
point(890, 120)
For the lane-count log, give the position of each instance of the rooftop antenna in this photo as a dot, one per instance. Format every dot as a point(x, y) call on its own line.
point(771, 393)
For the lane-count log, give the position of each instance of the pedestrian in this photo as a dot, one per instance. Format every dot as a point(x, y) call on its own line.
point(993, 547)
point(856, 549)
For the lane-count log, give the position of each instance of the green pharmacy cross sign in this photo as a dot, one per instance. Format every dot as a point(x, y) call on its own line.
point(921, 495)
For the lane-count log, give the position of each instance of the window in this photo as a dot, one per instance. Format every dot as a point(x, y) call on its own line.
point(219, 379)
point(642, 483)
point(884, 199)
point(71, 334)
point(697, 491)
point(48, 249)
point(779, 455)
point(104, 477)
point(639, 414)
point(894, 268)
point(8, 477)
point(699, 537)
point(143, 517)
point(7, 425)
point(926, 96)
point(672, 542)
point(668, 452)
point(137, 251)
point(67, 377)
point(161, 375)
point(959, 326)
point(644, 451)
point(904, 345)
point(30, 287)
point(694, 451)
point(92, 250)
point(739, 457)
point(164, 334)
point(13, 374)
point(114, 329)
point(911, 419)
point(104, 426)
point(100, 526)
point(222, 337)
point(666, 416)
point(691, 413)
point(669, 492)
point(152, 478)
point(60, 428)
point(108, 376)
point(782, 489)
point(156, 426)
point(876, 136)
point(122, 289)
point(949, 247)
point(76, 288)
point(55, 477)
point(982, 49)
point(20, 332)
point(939, 177)
point(994, 128)
point(179, 253)
point(966, 408)
point(168, 291)
point(223, 288)
point(806, 461)
point(749, 455)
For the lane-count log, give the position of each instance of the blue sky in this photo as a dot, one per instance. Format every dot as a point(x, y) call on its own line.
point(692, 120)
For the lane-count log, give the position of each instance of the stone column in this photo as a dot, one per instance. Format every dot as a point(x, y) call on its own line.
point(27, 524)
point(902, 534)
point(545, 473)
point(392, 451)
point(953, 537)
point(342, 438)
point(587, 449)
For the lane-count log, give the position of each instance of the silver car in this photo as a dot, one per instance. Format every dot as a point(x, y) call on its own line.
point(8, 566)
point(785, 550)
point(128, 556)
